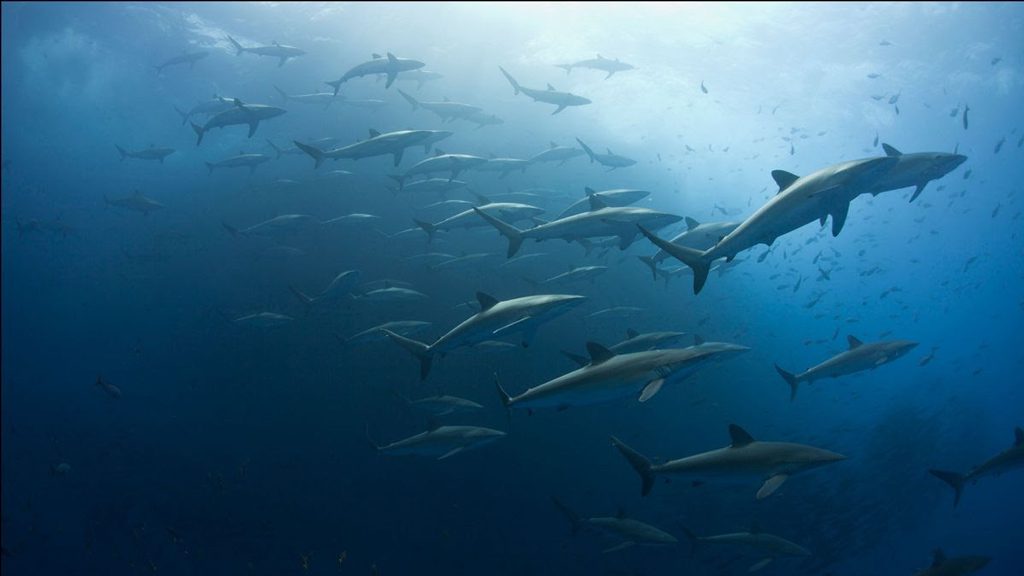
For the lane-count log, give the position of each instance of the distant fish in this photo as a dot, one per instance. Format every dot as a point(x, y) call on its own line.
point(703, 88)
point(599, 63)
point(996, 60)
point(874, 75)
point(136, 202)
point(550, 96)
point(885, 43)
point(960, 566)
point(281, 52)
point(895, 98)
point(443, 442)
point(966, 110)
point(1010, 459)
point(263, 320)
point(151, 153)
point(999, 145)
point(108, 388)
point(875, 143)
point(186, 58)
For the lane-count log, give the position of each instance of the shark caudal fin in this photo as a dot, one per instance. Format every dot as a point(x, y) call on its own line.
point(199, 130)
point(303, 297)
point(640, 463)
point(336, 85)
point(650, 263)
point(281, 92)
point(691, 538)
point(210, 167)
point(575, 522)
point(511, 80)
point(418, 349)
point(183, 114)
point(238, 47)
point(427, 227)
point(790, 379)
point(955, 481)
point(514, 235)
point(414, 102)
point(587, 150)
point(314, 152)
point(692, 258)
point(122, 152)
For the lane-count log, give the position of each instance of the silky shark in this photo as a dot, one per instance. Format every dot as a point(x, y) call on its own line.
point(211, 107)
point(610, 376)
point(550, 96)
point(614, 198)
point(441, 162)
point(442, 405)
point(342, 285)
point(959, 566)
point(151, 153)
point(377, 144)
point(317, 98)
point(283, 224)
point(611, 159)
point(503, 165)
point(800, 201)
point(599, 63)
point(443, 442)
point(189, 58)
point(446, 110)
point(495, 318)
point(636, 342)
point(556, 153)
point(419, 76)
point(1010, 459)
point(744, 457)
point(697, 236)
point(917, 170)
point(509, 211)
point(391, 66)
point(136, 202)
point(630, 531)
point(769, 544)
point(376, 333)
point(599, 222)
point(250, 114)
point(250, 161)
point(280, 51)
point(857, 358)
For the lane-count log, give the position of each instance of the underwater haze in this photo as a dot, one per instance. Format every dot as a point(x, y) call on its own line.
point(508, 288)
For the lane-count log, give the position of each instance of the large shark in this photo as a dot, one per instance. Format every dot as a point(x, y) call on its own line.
point(211, 107)
point(443, 442)
point(631, 532)
point(556, 153)
point(769, 544)
point(151, 153)
point(1010, 459)
point(509, 211)
point(250, 114)
point(800, 201)
point(446, 109)
point(611, 159)
point(959, 566)
point(610, 376)
point(917, 170)
point(636, 342)
point(495, 318)
point(550, 96)
point(136, 202)
point(441, 162)
point(599, 63)
point(744, 457)
point(189, 58)
point(504, 165)
point(250, 161)
point(697, 236)
point(857, 358)
point(377, 144)
point(617, 197)
point(342, 285)
point(280, 51)
point(599, 221)
point(391, 66)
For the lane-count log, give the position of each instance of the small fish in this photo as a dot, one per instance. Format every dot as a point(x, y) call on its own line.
point(897, 109)
point(875, 143)
point(928, 358)
point(995, 212)
point(895, 98)
point(967, 174)
point(966, 110)
point(874, 75)
point(999, 145)
point(110, 389)
point(703, 88)
point(885, 43)
point(954, 112)
point(997, 60)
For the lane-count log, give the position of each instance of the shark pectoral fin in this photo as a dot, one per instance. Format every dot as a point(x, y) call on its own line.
point(917, 191)
point(757, 566)
point(560, 108)
point(252, 127)
point(282, 61)
point(626, 239)
point(652, 388)
point(821, 221)
point(839, 217)
point(452, 452)
point(771, 485)
point(616, 548)
point(391, 79)
point(517, 325)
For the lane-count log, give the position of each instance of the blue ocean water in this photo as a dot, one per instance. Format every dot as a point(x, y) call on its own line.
point(217, 446)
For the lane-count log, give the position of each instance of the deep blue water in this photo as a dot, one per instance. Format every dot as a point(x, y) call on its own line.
point(243, 450)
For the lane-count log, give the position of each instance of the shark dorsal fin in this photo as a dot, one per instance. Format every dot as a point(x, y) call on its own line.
point(596, 203)
point(392, 59)
point(610, 153)
point(938, 557)
point(598, 353)
point(854, 341)
point(890, 151)
point(1018, 437)
point(553, 145)
point(698, 340)
point(588, 191)
point(784, 179)
point(486, 301)
point(550, 87)
point(438, 151)
point(740, 437)
point(376, 56)
point(374, 133)
point(632, 333)
point(446, 99)
point(691, 223)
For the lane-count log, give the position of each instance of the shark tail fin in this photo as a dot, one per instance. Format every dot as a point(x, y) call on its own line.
point(511, 80)
point(199, 133)
point(955, 481)
point(418, 349)
point(231, 229)
point(692, 258)
point(303, 297)
point(690, 537)
point(238, 47)
point(210, 167)
point(414, 102)
point(281, 92)
point(640, 463)
point(650, 263)
point(316, 153)
point(122, 152)
point(790, 379)
point(183, 114)
point(587, 150)
point(276, 149)
point(427, 227)
point(336, 85)
point(514, 235)
point(574, 519)
point(566, 67)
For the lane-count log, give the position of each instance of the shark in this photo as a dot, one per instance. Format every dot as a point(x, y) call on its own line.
point(775, 462)
point(211, 107)
point(510, 211)
point(611, 160)
point(342, 285)
point(916, 169)
point(857, 358)
point(482, 119)
point(443, 442)
point(280, 51)
point(324, 99)
point(283, 224)
point(630, 531)
point(151, 153)
point(800, 201)
point(263, 320)
point(698, 236)
point(599, 221)
point(495, 318)
point(575, 275)
point(242, 160)
point(393, 143)
point(391, 66)
point(419, 76)
point(614, 198)
point(610, 376)
point(769, 544)
point(446, 109)
point(550, 96)
point(439, 186)
point(1010, 459)
point(136, 202)
point(959, 566)
point(598, 63)
point(441, 162)
point(636, 342)
point(443, 405)
point(556, 153)
point(376, 333)
point(189, 58)
point(250, 114)
point(504, 165)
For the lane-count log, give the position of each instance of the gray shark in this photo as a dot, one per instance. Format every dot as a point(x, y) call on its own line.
point(600, 221)
point(610, 376)
point(391, 66)
point(636, 342)
point(419, 76)
point(151, 153)
point(495, 318)
point(550, 96)
point(467, 219)
point(250, 114)
point(283, 224)
point(699, 236)
point(211, 107)
point(744, 457)
point(189, 58)
point(443, 442)
point(611, 159)
point(630, 531)
point(51, 226)
point(376, 333)
point(443, 405)
point(857, 358)
point(342, 285)
point(369, 103)
point(482, 119)
point(575, 275)
point(959, 566)
point(917, 169)
point(136, 202)
point(446, 110)
point(377, 144)
point(280, 51)
point(241, 161)
point(504, 165)
point(440, 186)
point(263, 320)
point(800, 201)
point(769, 544)
point(316, 98)
point(599, 63)
point(1010, 459)
point(617, 197)
point(453, 163)
point(556, 153)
